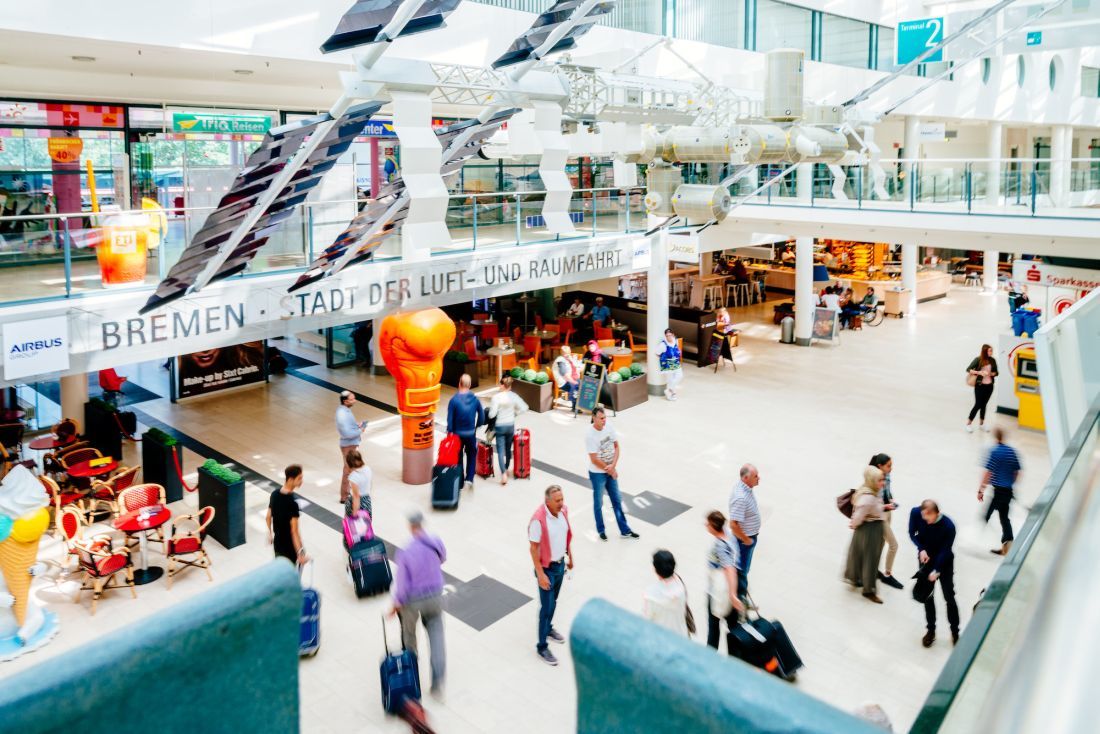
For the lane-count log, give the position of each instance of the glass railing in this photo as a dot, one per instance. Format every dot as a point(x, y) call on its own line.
point(996, 669)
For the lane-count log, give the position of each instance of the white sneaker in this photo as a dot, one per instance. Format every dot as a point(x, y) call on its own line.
point(674, 396)
point(969, 428)
point(985, 428)
point(668, 395)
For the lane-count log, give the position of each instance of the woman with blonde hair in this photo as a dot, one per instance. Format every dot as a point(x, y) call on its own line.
point(869, 533)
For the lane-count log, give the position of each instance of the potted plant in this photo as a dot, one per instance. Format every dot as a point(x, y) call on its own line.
point(455, 364)
point(101, 427)
point(534, 388)
point(626, 387)
point(160, 456)
point(223, 489)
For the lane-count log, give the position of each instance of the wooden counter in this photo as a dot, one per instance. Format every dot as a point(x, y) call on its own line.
point(931, 284)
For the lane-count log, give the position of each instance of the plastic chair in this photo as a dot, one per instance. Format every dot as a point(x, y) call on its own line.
point(100, 562)
point(532, 348)
point(606, 343)
point(185, 545)
point(603, 332)
point(565, 330)
point(111, 383)
point(634, 347)
point(489, 334)
point(538, 322)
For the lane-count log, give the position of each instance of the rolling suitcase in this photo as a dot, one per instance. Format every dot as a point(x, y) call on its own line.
point(521, 454)
point(357, 528)
point(400, 676)
point(369, 568)
point(485, 459)
point(446, 487)
point(309, 635)
point(450, 451)
point(765, 645)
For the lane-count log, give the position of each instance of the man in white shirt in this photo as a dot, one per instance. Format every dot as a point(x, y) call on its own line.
point(551, 539)
point(831, 300)
point(745, 522)
point(576, 310)
point(602, 444)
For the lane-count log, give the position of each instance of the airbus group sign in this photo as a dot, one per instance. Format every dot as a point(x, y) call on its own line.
point(36, 347)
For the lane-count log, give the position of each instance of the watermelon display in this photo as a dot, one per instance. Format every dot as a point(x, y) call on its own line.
point(516, 373)
point(541, 378)
point(637, 369)
point(614, 377)
point(625, 373)
point(529, 375)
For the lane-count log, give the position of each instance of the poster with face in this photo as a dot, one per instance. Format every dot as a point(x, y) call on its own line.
point(212, 370)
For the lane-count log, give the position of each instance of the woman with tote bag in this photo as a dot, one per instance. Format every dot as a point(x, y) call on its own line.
point(722, 563)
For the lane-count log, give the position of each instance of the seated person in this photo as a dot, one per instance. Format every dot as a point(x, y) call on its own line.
point(595, 354)
point(870, 300)
point(740, 272)
point(567, 374)
point(576, 310)
point(830, 299)
point(848, 308)
point(600, 312)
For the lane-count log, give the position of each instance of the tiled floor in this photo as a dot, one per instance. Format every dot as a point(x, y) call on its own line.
point(808, 418)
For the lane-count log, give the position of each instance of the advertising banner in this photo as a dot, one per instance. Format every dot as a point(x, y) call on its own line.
point(36, 347)
point(187, 122)
point(213, 370)
point(65, 150)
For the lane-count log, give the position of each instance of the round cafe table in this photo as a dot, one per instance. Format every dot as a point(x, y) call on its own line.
point(620, 356)
point(139, 522)
point(84, 469)
point(10, 415)
point(499, 353)
point(542, 334)
point(48, 443)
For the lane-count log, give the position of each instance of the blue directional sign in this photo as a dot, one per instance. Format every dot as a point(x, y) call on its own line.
point(914, 37)
point(1034, 38)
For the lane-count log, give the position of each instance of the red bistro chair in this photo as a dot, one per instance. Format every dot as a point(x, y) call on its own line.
point(106, 492)
point(471, 352)
point(100, 562)
point(138, 496)
point(185, 545)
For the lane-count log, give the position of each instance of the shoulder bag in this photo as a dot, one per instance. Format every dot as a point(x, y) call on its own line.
point(844, 503)
point(689, 618)
point(718, 593)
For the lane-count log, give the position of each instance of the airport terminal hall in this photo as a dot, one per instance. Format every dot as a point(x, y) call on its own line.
point(550, 366)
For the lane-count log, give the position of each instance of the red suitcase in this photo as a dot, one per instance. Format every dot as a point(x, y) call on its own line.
point(521, 454)
point(450, 451)
point(484, 459)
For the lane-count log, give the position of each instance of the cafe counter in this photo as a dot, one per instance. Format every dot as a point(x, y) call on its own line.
point(931, 284)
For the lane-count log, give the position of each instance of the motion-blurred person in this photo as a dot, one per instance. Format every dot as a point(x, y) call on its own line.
point(665, 600)
point(868, 534)
point(503, 409)
point(351, 434)
point(360, 480)
point(418, 594)
point(551, 539)
point(934, 535)
point(464, 416)
point(722, 584)
point(1002, 468)
point(885, 464)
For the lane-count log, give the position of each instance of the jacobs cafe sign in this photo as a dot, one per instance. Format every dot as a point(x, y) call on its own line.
point(104, 331)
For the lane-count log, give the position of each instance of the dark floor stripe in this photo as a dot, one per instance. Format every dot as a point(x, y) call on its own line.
point(294, 372)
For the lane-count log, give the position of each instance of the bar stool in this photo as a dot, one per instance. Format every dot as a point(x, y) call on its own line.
point(972, 278)
point(743, 294)
point(712, 295)
point(731, 294)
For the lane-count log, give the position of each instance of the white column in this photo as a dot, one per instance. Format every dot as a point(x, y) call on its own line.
point(989, 270)
point(74, 393)
point(378, 367)
point(910, 255)
point(803, 290)
point(911, 145)
point(804, 181)
point(994, 152)
point(656, 307)
point(1061, 150)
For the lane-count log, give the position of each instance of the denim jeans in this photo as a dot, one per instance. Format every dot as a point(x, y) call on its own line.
point(600, 481)
point(505, 436)
point(469, 446)
point(571, 389)
point(548, 601)
point(745, 552)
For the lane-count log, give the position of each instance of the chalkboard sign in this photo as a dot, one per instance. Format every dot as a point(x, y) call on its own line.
point(591, 382)
point(719, 347)
point(825, 324)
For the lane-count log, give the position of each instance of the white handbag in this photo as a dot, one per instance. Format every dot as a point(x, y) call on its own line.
point(718, 593)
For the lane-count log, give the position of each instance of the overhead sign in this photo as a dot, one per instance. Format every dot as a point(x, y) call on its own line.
point(1034, 38)
point(642, 256)
point(65, 150)
point(914, 37)
point(58, 114)
point(187, 122)
point(683, 247)
point(1032, 272)
point(214, 370)
point(36, 347)
point(932, 132)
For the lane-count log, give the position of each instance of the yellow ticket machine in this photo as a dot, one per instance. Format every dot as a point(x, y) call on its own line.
point(1027, 391)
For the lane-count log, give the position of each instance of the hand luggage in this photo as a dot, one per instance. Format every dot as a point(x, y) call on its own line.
point(309, 635)
point(446, 487)
point(369, 568)
point(765, 644)
point(450, 451)
point(400, 676)
point(357, 528)
point(521, 454)
point(485, 459)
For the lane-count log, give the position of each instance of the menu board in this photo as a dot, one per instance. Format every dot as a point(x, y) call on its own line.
point(212, 370)
point(719, 347)
point(825, 324)
point(591, 381)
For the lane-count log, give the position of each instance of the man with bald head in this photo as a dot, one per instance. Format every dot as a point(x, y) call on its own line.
point(745, 521)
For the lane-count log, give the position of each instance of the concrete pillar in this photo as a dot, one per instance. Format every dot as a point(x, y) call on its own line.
point(378, 367)
point(74, 393)
point(911, 150)
point(656, 308)
point(989, 270)
point(1061, 150)
point(910, 255)
point(994, 167)
point(804, 181)
point(804, 302)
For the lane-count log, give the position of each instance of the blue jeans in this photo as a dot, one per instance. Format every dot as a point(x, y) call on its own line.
point(745, 552)
point(469, 446)
point(572, 389)
point(548, 600)
point(505, 436)
point(600, 481)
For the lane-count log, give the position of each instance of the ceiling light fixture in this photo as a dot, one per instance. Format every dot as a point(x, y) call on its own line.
point(243, 72)
point(83, 58)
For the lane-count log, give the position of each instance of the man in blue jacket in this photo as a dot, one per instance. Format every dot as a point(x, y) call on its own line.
point(464, 416)
point(934, 534)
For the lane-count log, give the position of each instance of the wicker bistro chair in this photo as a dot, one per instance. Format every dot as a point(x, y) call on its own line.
point(105, 492)
point(61, 499)
point(185, 546)
point(101, 562)
point(136, 497)
point(75, 457)
point(51, 460)
point(70, 526)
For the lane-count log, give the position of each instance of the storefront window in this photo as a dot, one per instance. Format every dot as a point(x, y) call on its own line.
point(721, 22)
point(845, 41)
point(779, 25)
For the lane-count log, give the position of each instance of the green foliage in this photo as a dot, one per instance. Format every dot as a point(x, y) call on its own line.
point(541, 378)
point(614, 377)
point(454, 355)
point(220, 472)
point(528, 375)
point(637, 369)
point(516, 373)
point(158, 436)
point(625, 373)
point(103, 405)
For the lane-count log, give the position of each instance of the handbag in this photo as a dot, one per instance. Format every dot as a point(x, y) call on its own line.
point(971, 380)
point(923, 588)
point(718, 593)
point(689, 618)
point(844, 503)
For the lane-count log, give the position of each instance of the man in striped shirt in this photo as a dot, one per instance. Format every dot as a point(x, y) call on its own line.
point(745, 522)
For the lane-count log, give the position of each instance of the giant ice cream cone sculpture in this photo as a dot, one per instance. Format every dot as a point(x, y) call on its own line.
point(24, 502)
point(412, 347)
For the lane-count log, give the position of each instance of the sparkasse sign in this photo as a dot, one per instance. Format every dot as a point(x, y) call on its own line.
point(36, 347)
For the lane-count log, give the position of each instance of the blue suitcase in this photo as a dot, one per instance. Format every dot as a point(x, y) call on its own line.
point(400, 677)
point(309, 636)
point(369, 568)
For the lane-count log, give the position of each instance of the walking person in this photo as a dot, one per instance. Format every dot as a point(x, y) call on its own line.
point(282, 518)
point(868, 534)
point(670, 358)
point(665, 600)
point(418, 594)
point(602, 445)
point(351, 433)
point(934, 535)
point(981, 374)
point(360, 480)
point(722, 582)
point(885, 464)
point(503, 409)
point(551, 538)
point(745, 522)
point(464, 416)
point(1002, 468)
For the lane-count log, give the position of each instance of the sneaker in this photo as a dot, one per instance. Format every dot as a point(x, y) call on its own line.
point(986, 428)
point(629, 535)
point(469, 485)
point(668, 395)
point(548, 657)
point(890, 581)
point(556, 636)
point(603, 536)
point(969, 428)
point(928, 639)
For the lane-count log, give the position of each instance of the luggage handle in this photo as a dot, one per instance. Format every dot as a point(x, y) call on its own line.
point(385, 638)
point(302, 574)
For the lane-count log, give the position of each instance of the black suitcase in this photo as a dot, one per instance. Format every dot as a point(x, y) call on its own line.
point(765, 645)
point(369, 568)
point(127, 421)
point(446, 486)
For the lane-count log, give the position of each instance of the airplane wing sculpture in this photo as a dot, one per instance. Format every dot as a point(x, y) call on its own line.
point(529, 45)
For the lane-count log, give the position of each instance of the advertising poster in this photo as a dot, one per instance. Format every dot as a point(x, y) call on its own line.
point(213, 370)
point(591, 382)
point(825, 323)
